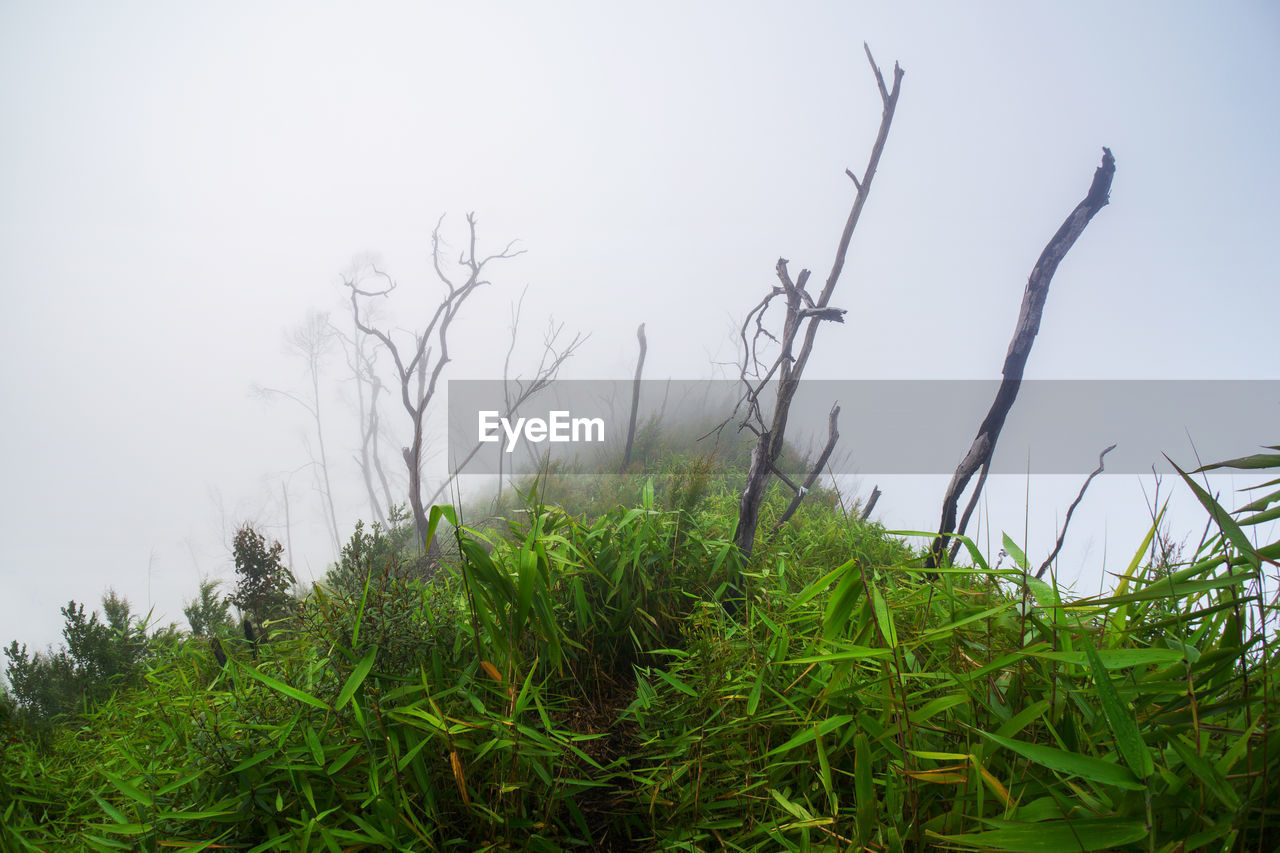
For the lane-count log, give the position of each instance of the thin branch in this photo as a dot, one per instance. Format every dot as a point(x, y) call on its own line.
point(833, 435)
point(1063, 535)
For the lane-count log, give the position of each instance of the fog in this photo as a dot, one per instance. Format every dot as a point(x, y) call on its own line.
point(183, 185)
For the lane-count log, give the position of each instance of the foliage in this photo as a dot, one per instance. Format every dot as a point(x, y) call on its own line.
point(97, 658)
point(262, 591)
point(207, 614)
point(376, 553)
point(573, 684)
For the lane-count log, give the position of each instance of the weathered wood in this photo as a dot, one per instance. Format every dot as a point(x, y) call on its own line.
point(1024, 335)
point(635, 400)
point(871, 503)
point(803, 314)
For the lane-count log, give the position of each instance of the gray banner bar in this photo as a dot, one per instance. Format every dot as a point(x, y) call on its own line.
point(886, 426)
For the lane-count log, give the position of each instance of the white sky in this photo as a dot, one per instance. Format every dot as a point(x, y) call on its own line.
point(180, 184)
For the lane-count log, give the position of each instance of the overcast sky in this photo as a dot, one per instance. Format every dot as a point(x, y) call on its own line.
point(182, 183)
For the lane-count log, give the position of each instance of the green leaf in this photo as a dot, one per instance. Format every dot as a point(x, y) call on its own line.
point(883, 618)
point(1205, 772)
point(364, 597)
point(1245, 463)
point(313, 743)
point(129, 790)
point(863, 783)
point(936, 706)
point(281, 687)
point(355, 679)
point(256, 758)
point(1015, 552)
point(1223, 519)
point(1084, 766)
point(1121, 720)
point(1053, 836)
point(1113, 658)
point(847, 652)
point(526, 574)
point(123, 828)
point(810, 733)
point(840, 607)
point(675, 682)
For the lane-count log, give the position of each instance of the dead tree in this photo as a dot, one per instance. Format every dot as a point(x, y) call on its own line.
point(555, 352)
point(311, 340)
point(369, 387)
point(418, 374)
point(803, 314)
point(1024, 335)
point(635, 400)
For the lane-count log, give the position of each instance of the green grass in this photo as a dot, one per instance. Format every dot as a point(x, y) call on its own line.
point(573, 683)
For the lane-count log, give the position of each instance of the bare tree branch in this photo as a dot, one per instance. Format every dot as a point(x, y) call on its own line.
point(1063, 535)
point(833, 435)
point(554, 355)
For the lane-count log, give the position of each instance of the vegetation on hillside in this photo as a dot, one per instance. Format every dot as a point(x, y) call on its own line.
point(569, 680)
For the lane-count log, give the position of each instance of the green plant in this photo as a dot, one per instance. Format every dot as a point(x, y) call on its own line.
point(207, 614)
point(262, 588)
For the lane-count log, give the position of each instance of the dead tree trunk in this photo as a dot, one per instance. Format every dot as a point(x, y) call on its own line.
point(871, 503)
point(1024, 335)
point(635, 401)
point(802, 312)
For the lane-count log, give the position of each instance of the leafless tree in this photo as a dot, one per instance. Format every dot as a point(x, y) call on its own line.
point(361, 356)
point(803, 314)
point(418, 370)
point(556, 350)
point(312, 340)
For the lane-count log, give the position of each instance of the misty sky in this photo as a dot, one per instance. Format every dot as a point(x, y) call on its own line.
point(182, 183)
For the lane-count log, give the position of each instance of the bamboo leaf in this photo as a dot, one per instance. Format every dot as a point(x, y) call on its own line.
point(1121, 720)
point(1223, 519)
point(281, 687)
point(1205, 772)
point(1019, 558)
point(1074, 764)
point(1053, 836)
point(810, 733)
point(354, 680)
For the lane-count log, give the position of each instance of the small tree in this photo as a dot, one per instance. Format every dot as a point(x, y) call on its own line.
point(207, 614)
point(263, 589)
